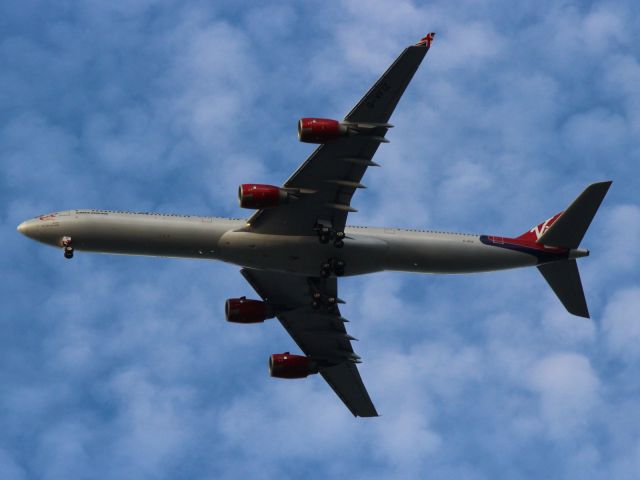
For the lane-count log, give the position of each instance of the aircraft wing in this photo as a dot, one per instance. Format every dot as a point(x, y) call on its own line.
point(332, 174)
point(320, 333)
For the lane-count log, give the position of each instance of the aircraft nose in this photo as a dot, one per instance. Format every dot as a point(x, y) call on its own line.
point(26, 228)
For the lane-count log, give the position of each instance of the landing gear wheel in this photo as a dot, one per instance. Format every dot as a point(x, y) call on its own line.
point(325, 270)
point(338, 268)
point(324, 237)
point(316, 302)
point(68, 252)
point(338, 244)
point(331, 304)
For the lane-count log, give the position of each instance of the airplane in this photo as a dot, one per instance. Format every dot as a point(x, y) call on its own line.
point(296, 244)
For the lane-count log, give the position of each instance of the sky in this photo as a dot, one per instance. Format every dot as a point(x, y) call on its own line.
point(124, 367)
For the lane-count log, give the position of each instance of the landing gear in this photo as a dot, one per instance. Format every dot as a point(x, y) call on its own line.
point(68, 249)
point(324, 237)
point(333, 265)
point(338, 268)
point(326, 233)
point(325, 270)
point(322, 296)
point(321, 301)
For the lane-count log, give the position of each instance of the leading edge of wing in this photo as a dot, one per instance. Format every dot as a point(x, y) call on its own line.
point(380, 101)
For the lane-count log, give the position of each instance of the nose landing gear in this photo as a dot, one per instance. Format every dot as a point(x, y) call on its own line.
point(68, 249)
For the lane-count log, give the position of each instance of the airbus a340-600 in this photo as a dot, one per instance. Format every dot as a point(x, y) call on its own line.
point(296, 244)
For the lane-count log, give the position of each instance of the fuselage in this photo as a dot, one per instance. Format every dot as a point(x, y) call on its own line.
point(366, 249)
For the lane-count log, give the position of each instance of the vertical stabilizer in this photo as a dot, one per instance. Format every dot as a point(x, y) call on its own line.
point(569, 228)
point(564, 279)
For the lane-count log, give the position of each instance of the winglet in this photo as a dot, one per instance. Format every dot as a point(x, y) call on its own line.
point(426, 41)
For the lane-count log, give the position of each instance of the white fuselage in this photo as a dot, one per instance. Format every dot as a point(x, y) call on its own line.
point(366, 249)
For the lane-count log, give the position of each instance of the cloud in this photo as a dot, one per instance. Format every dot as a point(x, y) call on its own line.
point(124, 367)
point(568, 389)
point(620, 324)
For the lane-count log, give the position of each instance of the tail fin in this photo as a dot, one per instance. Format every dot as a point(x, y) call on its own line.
point(566, 230)
point(564, 279)
point(569, 228)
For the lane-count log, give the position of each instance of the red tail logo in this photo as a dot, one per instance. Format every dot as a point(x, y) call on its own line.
point(536, 232)
point(426, 41)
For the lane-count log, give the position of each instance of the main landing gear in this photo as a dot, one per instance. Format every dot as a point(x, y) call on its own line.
point(68, 249)
point(333, 265)
point(323, 301)
point(326, 234)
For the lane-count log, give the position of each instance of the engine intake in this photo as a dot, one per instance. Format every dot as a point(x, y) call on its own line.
point(285, 365)
point(256, 196)
point(320, 130)
point(241, 310)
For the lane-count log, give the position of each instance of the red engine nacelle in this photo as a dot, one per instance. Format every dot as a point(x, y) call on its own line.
point(241, 310)
point(256, 196)
point(320, 130)
point(285, 365)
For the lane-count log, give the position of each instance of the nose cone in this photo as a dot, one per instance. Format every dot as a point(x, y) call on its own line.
point(23, 227)
point(27, 228)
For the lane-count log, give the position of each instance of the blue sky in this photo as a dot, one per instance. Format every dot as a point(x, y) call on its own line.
point(123, 367)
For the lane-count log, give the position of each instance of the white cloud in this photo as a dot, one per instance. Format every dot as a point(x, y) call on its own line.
point(563, 328)
point(598, 135)
point(125, 365)
point(568, 389)
point(621, 326)
point(619, 233)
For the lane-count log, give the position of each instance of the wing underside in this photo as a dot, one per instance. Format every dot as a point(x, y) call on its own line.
point(319, 332)
point(334, 171)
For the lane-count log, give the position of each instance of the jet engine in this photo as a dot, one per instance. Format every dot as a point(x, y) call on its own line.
point(256, 196)
point(285, 365)
point(241, 310)
point(321, 130)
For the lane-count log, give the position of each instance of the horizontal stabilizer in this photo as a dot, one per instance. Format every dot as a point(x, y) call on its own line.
point(564, 279)
point(569, 228)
